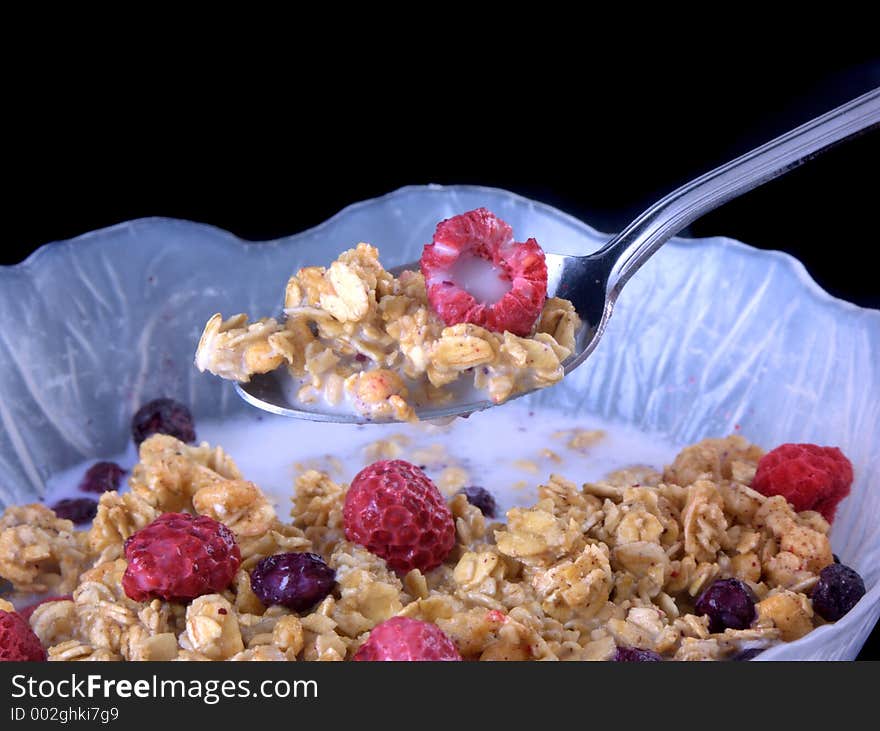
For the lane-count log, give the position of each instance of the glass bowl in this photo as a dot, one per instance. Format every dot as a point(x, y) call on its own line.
point(711, 337)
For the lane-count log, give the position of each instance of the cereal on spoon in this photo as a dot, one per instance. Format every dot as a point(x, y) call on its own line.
point(355, 335)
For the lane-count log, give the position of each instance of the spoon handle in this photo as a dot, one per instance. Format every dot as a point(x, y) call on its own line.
point(632, 247)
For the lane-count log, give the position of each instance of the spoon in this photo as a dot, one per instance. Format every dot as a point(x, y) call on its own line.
point(593, 282)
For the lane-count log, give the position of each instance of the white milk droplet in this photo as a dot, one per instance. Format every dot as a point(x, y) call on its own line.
point(480, 278)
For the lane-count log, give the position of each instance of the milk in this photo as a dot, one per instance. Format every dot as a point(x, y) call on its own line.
point(480, 278)
point(500, 449)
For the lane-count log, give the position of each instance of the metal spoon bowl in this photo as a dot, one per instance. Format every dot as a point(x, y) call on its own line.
point(593, 282)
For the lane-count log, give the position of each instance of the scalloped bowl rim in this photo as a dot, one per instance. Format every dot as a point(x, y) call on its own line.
point(796, 266)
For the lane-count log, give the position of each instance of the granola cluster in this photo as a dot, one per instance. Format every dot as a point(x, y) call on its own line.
point(587, 569)
point(355, 333)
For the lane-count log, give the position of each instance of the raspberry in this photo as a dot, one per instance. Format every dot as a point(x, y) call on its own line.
point(31, 608)
point(808, 476)
point(838, 590)
point(179, 557)
point(297, 581)
point(163, 416)
point(102, 477)
point(394, 510)
point(634, 654)
point(77, 509)
point(18, 643)
point(402, 638)
point(481, 498)
point(480, 234)
point(728, 603)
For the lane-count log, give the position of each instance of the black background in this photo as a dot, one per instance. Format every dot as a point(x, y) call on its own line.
point(600, 144)
point(265, 169)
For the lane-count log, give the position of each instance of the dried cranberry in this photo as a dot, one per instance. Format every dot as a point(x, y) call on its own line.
point(838, 590)
point(77, 510)
point(163, 416)
point(634, 654)
point(747, 654)
point(729, 603)
point(102, 477)
point(481, 498)
point(297, 581)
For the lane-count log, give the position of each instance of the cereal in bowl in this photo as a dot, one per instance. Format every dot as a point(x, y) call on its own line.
point(688, 563)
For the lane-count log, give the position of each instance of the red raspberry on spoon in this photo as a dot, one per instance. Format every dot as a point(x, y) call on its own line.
point(475, 272)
